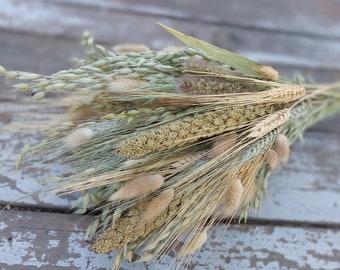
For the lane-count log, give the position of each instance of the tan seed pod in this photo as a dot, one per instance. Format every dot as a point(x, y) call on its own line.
point(187, 160)
point(232, 198)
point(125, 84)
point(193, 244)
point(78, 137)
point(128, 47)
point(78, 114)
point(138, 187)
point(250, 192)
point(157, 205)
point(282, 148)
point(269, 123)
point(173, 49)
point(269, 72)
point(222, 144)
point(272, 158)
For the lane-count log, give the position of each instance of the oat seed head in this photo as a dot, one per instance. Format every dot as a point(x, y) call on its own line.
point(21, 86)
point(38, 96)
point(2, 70)
point(138, 187)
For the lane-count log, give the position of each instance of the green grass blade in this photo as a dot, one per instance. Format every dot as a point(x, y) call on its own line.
point(240, 63)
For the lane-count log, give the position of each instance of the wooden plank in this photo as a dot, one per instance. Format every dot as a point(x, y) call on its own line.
point(307, 187)
point(114, 26)
point(319, 19)
point(39, 54)
point(30, 240)
point(20, 52)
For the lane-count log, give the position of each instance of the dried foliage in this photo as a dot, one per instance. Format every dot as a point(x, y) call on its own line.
point(163, 144)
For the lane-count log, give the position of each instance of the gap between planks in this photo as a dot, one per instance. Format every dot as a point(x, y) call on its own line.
point(31, 240)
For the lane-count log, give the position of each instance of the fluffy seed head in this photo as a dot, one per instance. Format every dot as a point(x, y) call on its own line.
point(272, 158)
point(269, 72)
point(127, 47)
point(157, 205)
point(187, 160)
point(282, 148)
point(125, 84)
point(222, 144)
point(138, 187)
point(194, 244)
point(173, 49)
point(78, 137)
point(232, 198)
point(250, 192)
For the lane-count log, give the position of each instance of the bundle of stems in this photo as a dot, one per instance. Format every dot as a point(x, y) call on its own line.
point(165, 144)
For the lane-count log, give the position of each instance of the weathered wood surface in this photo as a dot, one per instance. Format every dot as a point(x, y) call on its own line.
point(298, 227)
point(41, 240)
point(276, 41)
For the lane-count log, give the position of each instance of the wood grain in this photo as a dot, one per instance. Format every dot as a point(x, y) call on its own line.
point(40, 240)
point(317, 17)
point(112, 25)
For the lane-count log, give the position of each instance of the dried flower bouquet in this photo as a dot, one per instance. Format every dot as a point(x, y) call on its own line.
point(164, 144)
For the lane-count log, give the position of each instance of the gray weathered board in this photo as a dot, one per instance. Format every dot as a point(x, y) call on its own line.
point(298, 227)
point(55, 241)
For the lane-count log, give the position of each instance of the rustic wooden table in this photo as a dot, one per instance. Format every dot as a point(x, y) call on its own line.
point(299, 225)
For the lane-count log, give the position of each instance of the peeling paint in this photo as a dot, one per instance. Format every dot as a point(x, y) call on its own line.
point(17, 250)
point(53, 243)
point(3, 225)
